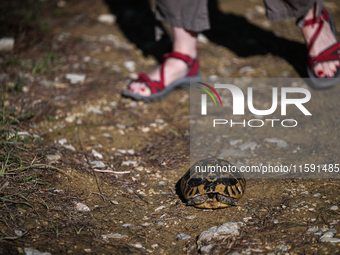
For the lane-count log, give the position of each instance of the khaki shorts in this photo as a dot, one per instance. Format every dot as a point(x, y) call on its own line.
point(193, 15)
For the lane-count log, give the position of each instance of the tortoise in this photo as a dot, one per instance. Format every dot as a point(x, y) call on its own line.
point(212, 189)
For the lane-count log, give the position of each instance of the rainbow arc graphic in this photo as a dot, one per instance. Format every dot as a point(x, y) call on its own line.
point(204, 97)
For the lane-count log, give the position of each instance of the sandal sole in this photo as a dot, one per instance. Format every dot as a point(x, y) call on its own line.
point(183, 83)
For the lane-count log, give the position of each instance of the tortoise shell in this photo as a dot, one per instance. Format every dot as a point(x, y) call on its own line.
point(212, 183)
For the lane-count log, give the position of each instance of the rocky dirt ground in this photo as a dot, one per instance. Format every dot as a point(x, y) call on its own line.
point(85, 171)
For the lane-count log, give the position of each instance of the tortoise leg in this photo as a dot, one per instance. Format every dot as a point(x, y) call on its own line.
point(226, 200)
point(198, 200)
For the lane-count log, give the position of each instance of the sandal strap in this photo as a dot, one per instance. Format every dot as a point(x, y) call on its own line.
point(154, 86)
point(331, 53)
point(193, 64)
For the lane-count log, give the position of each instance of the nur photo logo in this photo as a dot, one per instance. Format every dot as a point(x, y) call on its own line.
point(239, 99)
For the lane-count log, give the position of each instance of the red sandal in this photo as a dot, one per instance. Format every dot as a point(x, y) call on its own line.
point(158, 90)
point(331, 53)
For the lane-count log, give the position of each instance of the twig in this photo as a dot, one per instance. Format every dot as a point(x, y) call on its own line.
point(143, 198)
point(111, 171)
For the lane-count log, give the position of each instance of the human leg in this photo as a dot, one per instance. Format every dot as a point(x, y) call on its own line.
point(187, 18)
point(308, 10)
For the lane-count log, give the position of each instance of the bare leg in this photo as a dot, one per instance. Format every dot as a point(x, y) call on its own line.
point(323, 41)
point(184, 42)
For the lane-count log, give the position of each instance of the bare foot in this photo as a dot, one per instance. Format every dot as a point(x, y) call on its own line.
point(173, 70)
point(325, 39)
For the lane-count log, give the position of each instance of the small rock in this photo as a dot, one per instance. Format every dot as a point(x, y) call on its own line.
point(96, 154)
point(107, 19)
point(313, 230)
point(304, 193)
point(32, 251)
point(160, 208)
point(115, 236)
point(133, 104)
point(130, 66)
point(114, 202)
point(69, 147)
point(246, 219)
point(122, 151)
point(202, 38)
point(206, 249)
point(275, 221)
point(126, 225)
point(191, 217)
point(334, 208)
point(282, 247)
point(83, 208)
point(182, 236)
point(129, 162)
point(53, 157)
point(87, 250)
point(246, 69)
point(98, 164)
point(145, 129)
point(70, 119)
point(136, 245)
point(131, 151)
point(332, 230)
point(62, 141)
point(330, 239)
point(61, 4)
point(18, 232)
point(6, 44)
point(234, 142)
point(75, 78)
point(94, 110)
point(154, 246)
point(280, 143)
point(316, 195)
point(248, 145)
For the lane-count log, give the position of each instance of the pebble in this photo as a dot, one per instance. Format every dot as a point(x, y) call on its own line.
point(6, 44)
point(131, 151)
point(126, 225)
point(248, 145)
point(316, 195)
point(160, 208)
point(246, 69)
point(234, 142)
point(130, 66)
point(87, 250)
point(145, 129)
point(115, 236)
point(136, 245)
point(202, 38)
point(304, 193)
point(94, 110)
point(228, 228)
point(107, 19)
point(280, 143)
point(32, 251)
point(69, 147)
point(18, 232)
point(182, 236)
point(129, 162)
point(62, 141)
point(282, 247)
point(114, 202)
point(191, 217)
point(275, 221)
point(246, 219)
point(53, 157)
point(206, 249)
point(154, 246)
point(70, 119)
point(96, 154)
point(98, 164)
point(313, 230)
point(334, 208)
point(75, 78)
point(328, 237)
point(83, 208)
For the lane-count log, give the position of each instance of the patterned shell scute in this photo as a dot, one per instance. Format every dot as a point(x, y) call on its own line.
point(229, 182)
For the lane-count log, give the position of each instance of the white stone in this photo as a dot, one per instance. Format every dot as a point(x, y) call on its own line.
point(160, 208)
point(115, 236)
point(53, 157)
point(62, 141)
point(130, 66)
point(316, 195)
point(32, 251)
point(81, 207)
point(75, 78)
point(234, 142)
point(145, 129)
point(313, 230)
point(202, 38)
point(6, 44)
point(69, 147)
point(280, 143)
point(136, 245)
point(248, 145)
point(129, 162)
point(94, 110)
point(98, 164)
point(182, 236)
point(70, 119)
point(334, 208)
point(96, 154)
point(108, 19)
point(206, 249)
